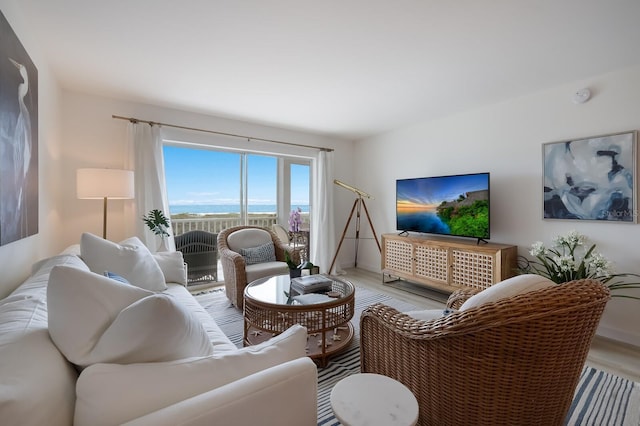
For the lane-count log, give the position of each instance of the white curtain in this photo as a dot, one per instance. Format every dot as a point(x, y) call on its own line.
point(146, 159)
point(323, 239)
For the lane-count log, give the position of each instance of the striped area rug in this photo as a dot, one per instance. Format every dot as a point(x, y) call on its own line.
point(601, 398)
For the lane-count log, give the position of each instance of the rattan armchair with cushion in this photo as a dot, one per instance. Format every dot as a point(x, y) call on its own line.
point(514, 361)
point(242, 256)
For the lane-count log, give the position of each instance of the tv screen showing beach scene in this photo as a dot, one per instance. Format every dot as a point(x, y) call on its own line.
point(456, 205)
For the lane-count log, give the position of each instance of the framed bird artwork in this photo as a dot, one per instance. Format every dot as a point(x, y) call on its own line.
point(18, 138)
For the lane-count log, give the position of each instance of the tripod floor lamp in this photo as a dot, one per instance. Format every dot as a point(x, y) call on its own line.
point(94, 184)
point(357, 205)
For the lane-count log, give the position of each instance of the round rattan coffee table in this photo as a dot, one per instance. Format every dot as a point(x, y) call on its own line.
point(270, 308)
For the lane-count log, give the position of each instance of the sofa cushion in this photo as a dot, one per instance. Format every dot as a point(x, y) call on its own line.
point(510, 287)
point(172, 265)
point(218, 339)
point(261, 254)
point(99, 388)
point(37, 383)
point(130, 258)
point(95, 319)
point(247, 238)
point(155, 328)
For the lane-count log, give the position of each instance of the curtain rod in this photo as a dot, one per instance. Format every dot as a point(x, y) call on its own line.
point(136, 120)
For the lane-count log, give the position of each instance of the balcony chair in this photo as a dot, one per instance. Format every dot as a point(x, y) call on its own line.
point(513, 361)
point(200, 252)
point(283, 234)
point(243, 258)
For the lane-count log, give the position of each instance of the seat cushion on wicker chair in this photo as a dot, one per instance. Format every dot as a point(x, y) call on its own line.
point(426, 314)
point(266, 269)
point(510, 287)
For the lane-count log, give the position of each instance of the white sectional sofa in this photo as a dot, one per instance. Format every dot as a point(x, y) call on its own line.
point(114, 377)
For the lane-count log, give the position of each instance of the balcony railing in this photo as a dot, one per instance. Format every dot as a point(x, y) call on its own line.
point(216, 224)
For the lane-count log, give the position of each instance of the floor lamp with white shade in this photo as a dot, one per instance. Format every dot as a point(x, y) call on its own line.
point(94, 184)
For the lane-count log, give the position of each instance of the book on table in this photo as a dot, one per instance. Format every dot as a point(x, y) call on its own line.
point(312, 298)
point(311, 284)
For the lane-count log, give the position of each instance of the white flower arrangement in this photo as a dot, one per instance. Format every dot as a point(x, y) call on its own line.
point(569, 259)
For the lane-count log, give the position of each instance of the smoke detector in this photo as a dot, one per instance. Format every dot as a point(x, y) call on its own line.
point(581, 96)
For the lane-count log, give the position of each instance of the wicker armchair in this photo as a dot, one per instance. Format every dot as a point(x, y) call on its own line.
point(516, 361)
point(237, 274)
point(200, 252)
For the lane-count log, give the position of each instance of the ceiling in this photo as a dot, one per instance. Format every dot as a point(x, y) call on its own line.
point(347, 69)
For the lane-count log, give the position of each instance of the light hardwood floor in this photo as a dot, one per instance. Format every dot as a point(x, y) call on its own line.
point(614, 357)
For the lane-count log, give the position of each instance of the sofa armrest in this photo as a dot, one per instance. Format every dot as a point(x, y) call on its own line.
point(109, 394)
point(282, 395)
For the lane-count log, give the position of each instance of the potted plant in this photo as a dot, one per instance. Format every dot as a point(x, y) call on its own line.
point(294, 270)
point(159, 225)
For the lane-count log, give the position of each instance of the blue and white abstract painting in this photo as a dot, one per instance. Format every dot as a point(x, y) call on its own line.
point(591, 179)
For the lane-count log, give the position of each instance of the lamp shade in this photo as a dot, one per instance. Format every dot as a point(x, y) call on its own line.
point(104, 183)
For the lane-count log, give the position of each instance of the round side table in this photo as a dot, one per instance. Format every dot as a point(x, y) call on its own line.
point(373, 399)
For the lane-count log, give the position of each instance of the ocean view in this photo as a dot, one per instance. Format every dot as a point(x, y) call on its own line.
point(202, 209)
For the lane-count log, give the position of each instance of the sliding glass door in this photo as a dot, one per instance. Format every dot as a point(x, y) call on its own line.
point(211, 189)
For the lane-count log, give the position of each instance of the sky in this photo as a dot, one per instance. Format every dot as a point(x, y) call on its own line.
point(202, 176)
point(432, 191)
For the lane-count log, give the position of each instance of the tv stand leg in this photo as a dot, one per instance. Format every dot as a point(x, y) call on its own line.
point(391, 279)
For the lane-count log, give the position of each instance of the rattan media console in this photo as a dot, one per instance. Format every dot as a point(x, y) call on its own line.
point(446, 264)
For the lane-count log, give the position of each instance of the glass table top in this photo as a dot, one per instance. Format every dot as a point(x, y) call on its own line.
point(276, 290)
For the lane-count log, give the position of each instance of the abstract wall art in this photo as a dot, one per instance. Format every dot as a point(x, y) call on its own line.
point(18, 139)
point(591, 179)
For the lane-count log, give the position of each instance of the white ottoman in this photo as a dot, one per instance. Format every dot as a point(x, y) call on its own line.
point(373, 399)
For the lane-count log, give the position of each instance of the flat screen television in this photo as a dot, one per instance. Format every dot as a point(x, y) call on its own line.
point(456, 205)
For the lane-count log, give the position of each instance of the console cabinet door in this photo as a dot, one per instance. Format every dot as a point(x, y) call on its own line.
point(432, 262)
point(398, 256)
point(473, 269)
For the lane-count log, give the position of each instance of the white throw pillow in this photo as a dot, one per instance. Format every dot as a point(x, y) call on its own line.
point(130, 258)
point(510, 287)
point(80, 307)
point(95, 319)
point(156, 328)
point(172, 265)
point(157, 385)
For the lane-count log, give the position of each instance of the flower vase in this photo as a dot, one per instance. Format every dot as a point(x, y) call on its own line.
point(295, 273)
point(163, 245)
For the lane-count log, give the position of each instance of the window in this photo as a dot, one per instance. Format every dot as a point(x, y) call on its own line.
point(212, 189)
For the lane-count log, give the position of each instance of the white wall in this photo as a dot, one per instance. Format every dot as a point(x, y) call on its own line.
point(92, 138)
point(505, 139)
point(76, 131)
point(16, 258)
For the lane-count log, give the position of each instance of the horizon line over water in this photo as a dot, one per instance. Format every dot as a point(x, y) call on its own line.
point(203, 209)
